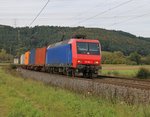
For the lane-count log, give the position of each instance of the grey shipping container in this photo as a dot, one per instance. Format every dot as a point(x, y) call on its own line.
point(22, 59)
point(16, 61)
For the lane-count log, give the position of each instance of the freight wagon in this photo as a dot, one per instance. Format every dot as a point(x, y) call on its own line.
point(22, 59)
point(70, 57)
point(26, 58)
point(16, 61)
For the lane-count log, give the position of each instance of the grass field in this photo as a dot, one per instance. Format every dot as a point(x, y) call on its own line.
point(122, 70)
point(4, 64)
point(27, 98)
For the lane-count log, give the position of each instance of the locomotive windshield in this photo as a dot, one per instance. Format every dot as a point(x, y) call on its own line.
point(88, 48)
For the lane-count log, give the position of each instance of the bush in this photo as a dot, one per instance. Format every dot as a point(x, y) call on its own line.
point(145, 60)
point(13, 66)
point(143, 73)
point(128, 62)
point(135, 57)
point(113, 57)
point(5, 57)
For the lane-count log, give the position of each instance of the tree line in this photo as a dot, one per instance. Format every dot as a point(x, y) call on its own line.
point(118, 57)
point(18, 40)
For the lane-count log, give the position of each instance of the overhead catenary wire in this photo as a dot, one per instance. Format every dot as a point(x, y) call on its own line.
point(117, 6)
point(138, 16)
point(39, 13)
point(83, 13)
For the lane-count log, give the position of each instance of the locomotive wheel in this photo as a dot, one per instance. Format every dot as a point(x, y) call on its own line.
point(88, 74)
point(73, 72)
point(70, 72)
point(84, 74)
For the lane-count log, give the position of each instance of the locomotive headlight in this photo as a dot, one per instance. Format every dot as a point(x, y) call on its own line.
point(96, 62)
point(79, 61)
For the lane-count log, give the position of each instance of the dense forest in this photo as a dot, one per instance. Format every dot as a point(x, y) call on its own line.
point(18, 40)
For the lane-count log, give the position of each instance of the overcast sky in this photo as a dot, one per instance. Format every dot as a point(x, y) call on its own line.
point(127, 15)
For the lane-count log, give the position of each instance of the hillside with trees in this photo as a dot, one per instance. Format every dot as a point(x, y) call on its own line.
point(118, 57)
point(18, 40)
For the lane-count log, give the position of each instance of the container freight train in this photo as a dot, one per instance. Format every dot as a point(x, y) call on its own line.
point(70, 57)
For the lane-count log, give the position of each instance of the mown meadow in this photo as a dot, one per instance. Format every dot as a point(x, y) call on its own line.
point(21, 97)
point(129, 71)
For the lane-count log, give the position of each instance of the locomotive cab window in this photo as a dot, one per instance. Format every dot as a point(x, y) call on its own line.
point(82, 48)
point(88, 48)
point(94, 48)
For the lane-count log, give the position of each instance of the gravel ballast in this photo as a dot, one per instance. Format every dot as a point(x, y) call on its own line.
point(90, 87)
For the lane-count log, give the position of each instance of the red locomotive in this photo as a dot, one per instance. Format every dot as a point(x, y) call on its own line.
point(86, 57)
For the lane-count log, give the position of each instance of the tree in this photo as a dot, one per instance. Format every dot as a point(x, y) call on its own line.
point(113, 58)
point(135, 57)
point(145, 60)
point(4, 57)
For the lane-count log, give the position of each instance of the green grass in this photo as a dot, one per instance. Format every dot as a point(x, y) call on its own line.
point(122, 70)
point(127, 73)
point(27, 98)
point(4, 64)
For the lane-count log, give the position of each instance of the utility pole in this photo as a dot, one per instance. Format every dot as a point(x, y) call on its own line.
point(18, 41)
point(10, 50)
point(15, 24)
point(17, 37)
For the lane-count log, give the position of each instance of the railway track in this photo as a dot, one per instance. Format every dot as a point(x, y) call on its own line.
point(126, 82)
point(123, 78)
point(119, 81)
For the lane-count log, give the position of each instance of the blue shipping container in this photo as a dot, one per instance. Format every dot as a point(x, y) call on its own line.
point(60, 55)
point(32, 57)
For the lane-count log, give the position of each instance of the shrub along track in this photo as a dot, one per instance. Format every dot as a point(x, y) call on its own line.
point(130, 91)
